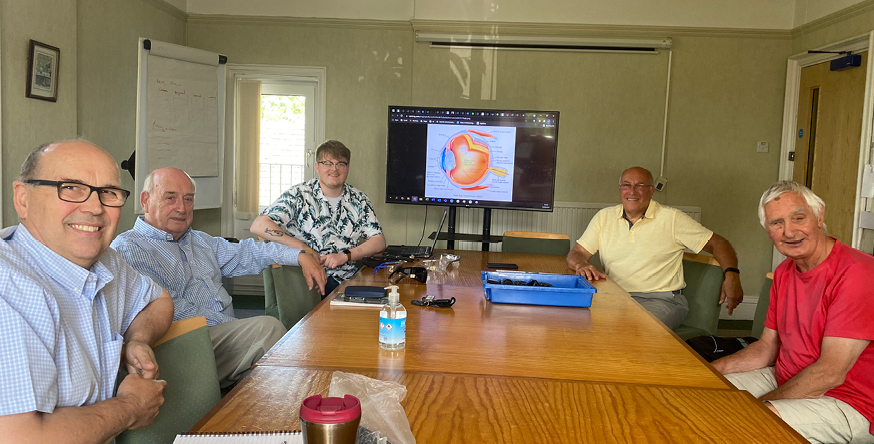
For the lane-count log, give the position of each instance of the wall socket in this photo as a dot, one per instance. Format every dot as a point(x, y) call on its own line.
point(762, 147)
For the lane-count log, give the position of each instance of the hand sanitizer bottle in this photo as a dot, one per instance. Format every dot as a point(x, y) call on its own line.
point(393, 322)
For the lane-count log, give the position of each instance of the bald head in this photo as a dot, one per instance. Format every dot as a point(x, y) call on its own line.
point(77, 231)
point(168, 201)
point(77, 146)
point(638, 172)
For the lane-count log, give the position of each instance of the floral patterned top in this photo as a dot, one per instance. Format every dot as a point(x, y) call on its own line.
point(305, 213)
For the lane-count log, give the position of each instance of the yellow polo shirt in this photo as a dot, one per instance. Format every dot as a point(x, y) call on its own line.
point(648, 256)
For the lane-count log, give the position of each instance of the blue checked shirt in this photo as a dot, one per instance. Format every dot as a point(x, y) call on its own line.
point(61, 325)
point(305, 213)
point(191, 269)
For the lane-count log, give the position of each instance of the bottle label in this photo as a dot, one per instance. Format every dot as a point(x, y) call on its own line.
point(392, 331)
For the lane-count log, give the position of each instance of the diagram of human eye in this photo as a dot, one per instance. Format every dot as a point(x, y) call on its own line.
point(466, 160)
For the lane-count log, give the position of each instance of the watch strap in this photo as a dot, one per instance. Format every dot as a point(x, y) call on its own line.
point(731, 269)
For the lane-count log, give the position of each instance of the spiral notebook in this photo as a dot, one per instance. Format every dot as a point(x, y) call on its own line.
point(242, 438)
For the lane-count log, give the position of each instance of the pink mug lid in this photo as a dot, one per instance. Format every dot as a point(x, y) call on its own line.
point(320, 410)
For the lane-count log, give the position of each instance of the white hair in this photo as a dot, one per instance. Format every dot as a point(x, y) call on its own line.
point(815, 203)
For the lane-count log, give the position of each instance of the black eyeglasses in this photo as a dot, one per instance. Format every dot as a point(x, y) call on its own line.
point(79, 192)
point(329, 164)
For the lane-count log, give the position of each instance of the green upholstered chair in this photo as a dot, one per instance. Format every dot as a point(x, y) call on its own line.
point(762, 306)
point(286, 294)
point(537, 243)
point(703, 277)
point(186, 361)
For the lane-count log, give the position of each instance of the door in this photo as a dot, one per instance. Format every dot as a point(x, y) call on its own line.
point(829, 128)
point(284, 155)
point(287, 138)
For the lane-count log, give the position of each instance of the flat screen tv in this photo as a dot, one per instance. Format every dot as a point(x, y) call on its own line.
point(477, 158)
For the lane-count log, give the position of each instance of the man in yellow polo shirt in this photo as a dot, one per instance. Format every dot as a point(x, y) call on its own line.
point(641, 244)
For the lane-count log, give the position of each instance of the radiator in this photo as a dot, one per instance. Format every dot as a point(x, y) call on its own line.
point(569, 218)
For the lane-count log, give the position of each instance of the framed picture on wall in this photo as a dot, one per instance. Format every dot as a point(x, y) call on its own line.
point(42, 71)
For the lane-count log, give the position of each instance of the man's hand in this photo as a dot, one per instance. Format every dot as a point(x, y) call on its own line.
point(334, 260)
point(591, 273)
point(732, 294)
point(312, 272)
point(144, 396)
point(140, 359)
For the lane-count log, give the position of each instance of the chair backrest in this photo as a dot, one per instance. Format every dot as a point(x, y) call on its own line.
point(762, 306)
point(537, 243)
point(286, 294)
point(186, 361)
point(703, 277)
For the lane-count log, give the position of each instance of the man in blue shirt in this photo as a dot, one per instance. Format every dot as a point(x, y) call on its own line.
point(190, 265)
point(68, 304)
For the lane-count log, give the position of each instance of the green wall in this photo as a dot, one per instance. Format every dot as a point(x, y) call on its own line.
point(727, 94)
point(28, 123)
point(109, 32)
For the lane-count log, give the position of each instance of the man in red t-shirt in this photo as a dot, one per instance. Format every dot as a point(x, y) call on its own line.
point(814, 364)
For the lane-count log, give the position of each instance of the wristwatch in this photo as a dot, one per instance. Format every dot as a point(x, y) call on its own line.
point(731, 269)
point(348, 255)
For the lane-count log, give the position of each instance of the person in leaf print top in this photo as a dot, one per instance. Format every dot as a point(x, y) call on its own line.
point(327, 216)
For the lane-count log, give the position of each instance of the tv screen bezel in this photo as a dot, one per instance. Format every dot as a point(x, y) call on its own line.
point(466, 205)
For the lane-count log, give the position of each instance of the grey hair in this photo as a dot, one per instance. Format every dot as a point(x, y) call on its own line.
point(31, 162)
point(147, 184)
point(816, 204)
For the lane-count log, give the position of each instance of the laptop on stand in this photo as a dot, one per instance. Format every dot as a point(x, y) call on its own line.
point(422, 251)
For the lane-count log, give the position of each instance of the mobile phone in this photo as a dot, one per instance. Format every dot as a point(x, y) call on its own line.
point(503, 265)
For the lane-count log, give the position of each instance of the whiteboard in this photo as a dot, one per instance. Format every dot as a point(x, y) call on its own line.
point(180, 117)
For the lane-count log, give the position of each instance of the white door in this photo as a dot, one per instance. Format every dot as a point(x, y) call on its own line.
point(287, 138)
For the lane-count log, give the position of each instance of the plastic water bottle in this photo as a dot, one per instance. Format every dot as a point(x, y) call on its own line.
point(393, 322)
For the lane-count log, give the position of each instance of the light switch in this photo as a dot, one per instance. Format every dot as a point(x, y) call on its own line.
point(762, 147)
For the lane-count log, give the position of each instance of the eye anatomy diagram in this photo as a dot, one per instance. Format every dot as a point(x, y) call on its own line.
point(467, 162)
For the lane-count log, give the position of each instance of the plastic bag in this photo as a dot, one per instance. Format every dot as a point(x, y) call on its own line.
point(383, 420)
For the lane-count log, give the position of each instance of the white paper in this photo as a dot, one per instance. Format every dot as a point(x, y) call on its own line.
point(183, 116)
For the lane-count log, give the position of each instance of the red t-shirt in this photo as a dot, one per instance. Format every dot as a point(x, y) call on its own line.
point(834, 299)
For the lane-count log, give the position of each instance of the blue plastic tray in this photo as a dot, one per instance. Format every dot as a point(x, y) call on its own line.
point(566, 291)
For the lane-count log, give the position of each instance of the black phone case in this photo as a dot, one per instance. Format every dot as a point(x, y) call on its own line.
point(365, 291)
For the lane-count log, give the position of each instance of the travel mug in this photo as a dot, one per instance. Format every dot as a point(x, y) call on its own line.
point(330, 420)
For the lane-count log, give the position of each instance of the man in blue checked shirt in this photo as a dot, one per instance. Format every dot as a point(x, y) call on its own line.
point(71, 309)
point(190, 265)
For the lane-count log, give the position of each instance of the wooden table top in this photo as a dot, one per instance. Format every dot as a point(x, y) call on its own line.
point(452, 408)
point(613, 341)
point(482, 372)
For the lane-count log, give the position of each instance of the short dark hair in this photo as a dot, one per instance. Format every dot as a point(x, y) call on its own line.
point(335, 149)
point(32, 161)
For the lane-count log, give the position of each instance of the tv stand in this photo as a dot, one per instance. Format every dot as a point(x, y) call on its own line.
point(451, 236)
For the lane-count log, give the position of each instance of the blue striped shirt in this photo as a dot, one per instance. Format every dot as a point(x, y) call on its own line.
point(61, 325)
point(191, 269)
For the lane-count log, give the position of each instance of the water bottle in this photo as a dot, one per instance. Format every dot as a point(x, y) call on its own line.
point(393, 322)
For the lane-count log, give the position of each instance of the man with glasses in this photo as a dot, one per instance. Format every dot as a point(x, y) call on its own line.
point(641, 244)
point(190, 265)
point(325, 215)
point(71, 309)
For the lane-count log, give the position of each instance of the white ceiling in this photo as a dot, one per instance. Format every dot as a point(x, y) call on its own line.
point(756, 14)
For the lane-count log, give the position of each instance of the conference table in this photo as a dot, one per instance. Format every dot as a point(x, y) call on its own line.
point(483, 372)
